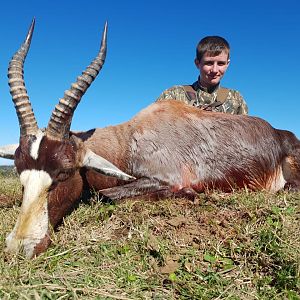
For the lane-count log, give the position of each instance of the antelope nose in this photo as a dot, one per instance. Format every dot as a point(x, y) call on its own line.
point(42, 245)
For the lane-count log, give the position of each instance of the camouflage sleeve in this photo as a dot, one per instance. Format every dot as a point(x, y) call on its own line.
point(166, 94)
point(174, 93)
point(243, 108)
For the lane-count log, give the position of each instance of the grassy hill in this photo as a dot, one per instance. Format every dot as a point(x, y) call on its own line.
point(10, 189)
point(227, 246)
point(6, 169)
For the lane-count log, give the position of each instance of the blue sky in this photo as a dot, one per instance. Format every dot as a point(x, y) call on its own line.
point(151, 46)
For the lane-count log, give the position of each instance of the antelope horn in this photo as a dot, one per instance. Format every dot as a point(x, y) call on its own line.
point(61, 118)
point(27, 121)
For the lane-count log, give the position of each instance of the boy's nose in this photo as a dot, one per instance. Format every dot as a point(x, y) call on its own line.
point(214, 68)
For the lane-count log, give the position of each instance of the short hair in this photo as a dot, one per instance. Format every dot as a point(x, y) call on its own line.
point(213, 45)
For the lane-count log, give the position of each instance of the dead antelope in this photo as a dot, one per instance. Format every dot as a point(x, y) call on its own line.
point(169, 149)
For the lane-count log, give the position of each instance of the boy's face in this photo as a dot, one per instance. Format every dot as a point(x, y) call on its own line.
point(212, 68)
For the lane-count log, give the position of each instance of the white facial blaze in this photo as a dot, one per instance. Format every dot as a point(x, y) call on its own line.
point(35, 146)
point(32, 224)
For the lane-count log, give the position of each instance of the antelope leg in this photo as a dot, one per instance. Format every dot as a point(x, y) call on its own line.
point(150, 188)
point(147, 188)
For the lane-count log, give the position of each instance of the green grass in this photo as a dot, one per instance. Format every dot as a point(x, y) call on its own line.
point(10, 188)
point(228, 246)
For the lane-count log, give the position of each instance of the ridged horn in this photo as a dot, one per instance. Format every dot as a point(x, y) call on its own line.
point(27, 121)
point(61, 118)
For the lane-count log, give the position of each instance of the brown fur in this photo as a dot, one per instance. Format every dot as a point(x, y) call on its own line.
point(173, 150)
point(174, 143)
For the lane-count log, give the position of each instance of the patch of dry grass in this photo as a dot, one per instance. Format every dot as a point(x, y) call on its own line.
point(238, 246)
point(10, 188)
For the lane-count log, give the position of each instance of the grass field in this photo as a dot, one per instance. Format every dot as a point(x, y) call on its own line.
point(228, 246)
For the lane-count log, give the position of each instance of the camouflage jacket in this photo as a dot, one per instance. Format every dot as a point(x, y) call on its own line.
point(233, 103)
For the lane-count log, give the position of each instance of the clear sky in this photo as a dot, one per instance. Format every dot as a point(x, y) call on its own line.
point(151, 46)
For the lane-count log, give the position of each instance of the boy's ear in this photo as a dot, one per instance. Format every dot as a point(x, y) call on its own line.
point(197, 62)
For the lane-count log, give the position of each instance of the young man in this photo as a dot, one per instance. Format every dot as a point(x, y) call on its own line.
point(212, 60)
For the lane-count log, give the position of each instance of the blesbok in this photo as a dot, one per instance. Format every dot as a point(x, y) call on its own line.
point(169, 149)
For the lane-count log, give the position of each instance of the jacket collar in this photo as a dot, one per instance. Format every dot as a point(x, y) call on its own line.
point(197, 86)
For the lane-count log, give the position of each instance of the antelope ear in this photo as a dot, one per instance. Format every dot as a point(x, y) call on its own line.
point(8, 151)
point(93, 161)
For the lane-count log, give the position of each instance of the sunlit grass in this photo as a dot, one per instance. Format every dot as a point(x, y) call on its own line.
point(10, 188)
point(238, 246)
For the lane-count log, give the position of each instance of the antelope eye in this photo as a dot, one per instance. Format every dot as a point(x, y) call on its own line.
point(63, 175)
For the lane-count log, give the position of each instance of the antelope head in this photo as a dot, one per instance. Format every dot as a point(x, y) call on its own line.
point(48, 160)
